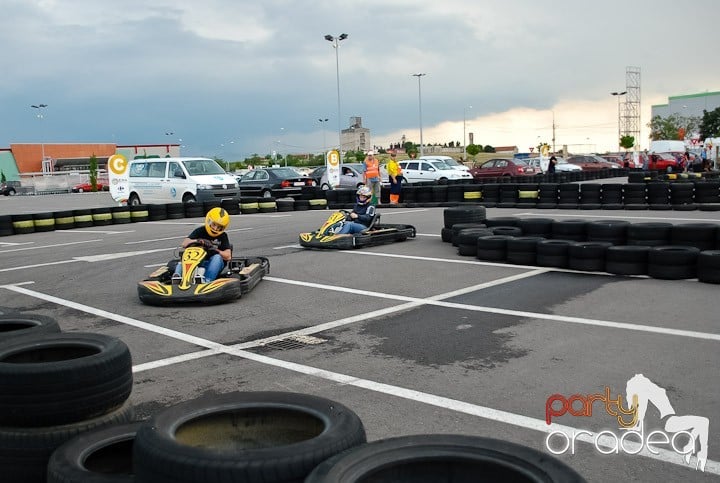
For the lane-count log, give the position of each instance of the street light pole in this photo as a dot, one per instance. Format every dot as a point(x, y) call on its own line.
point(336, 45)
point(464, 151)
point(40, 108)
point(618, 94)
point(422, 147)
point(322, 125)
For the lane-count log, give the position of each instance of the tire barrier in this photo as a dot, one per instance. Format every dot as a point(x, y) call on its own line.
point(673, 262)
point(251, 436)
point(466, 240)
point(650, 192)
point(700, 235)
point(442, 458)
point(587, 256)
point(650, 234)
point(16, 324)
point(627, 260)
point(156, 212)
point(62, 378)
point(464, 214)
point(553, 253)
point(458, 227)
point(23, 224)
point(43, 222)
point(6, 225)
point(101, 216)
point(121, 215)
point(522, 250)
point(101, 455)
point(267, 205)
point(25, 451)
point(708, 266)
point(492, 248)
point(83, 218)
point(658, 250)
point(139, 213)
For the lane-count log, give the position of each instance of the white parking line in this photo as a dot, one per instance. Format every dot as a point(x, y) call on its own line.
point(38, 247)
point(100, 232)
point(506, 417)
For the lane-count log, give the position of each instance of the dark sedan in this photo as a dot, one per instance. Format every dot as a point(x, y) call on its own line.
point(504, 167)
point(591, 162)
point(277, 182)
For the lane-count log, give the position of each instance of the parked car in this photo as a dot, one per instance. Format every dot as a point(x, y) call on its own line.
point(417, 171)
point(9, 188)
point(504, 167)
point(87, 187)
point(613, 158)
point(350, 177)
point(590, 162)
point(663, 162)
point(279, 182)
point(452, 162)
point(562, 165)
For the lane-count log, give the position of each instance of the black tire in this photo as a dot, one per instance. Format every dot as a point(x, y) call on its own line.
point(99, 456)
point(458, 227)
point(522, 250)
point(446, 235)
point(708, 267)
point(18, 325)
point(256, 436)
point(24, 452)
point(587, 256)
point(649, 234)
point(62, 378)
point(506, 230)
point(133, 200)
point(502, 221)
point(536, 226)
point(613, 231)
point(467, 250)
point(469, 236)
point(673, 262)
point(569, 230)
point(699, 235)
point(460, 214)
point(443, 458)
point(553, 253)
point(627, 260)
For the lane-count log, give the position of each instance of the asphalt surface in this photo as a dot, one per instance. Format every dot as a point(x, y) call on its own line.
point(413, 337)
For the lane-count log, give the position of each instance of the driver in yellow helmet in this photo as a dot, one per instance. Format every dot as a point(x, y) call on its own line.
point(213, 238)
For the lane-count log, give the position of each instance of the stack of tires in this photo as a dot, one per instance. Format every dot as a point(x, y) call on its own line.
point(55, 386)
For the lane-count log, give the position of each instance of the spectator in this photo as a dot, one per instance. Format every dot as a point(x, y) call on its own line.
point(551, 165)
point(395, 175)
point(372, 176)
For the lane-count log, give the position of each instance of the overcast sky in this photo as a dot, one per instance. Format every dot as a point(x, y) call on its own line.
point(233, 77)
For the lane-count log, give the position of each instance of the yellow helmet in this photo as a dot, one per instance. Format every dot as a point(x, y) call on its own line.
point(216, 221)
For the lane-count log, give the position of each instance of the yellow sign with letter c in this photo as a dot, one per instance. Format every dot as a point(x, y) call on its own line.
point(117, 164)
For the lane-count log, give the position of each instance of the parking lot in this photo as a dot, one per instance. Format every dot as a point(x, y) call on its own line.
point(413, 337)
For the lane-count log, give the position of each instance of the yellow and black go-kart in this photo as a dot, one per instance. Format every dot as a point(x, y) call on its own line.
point(376, 234)
point(238, 277)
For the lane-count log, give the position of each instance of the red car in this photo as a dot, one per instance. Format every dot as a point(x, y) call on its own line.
point(87, 187)
point(663, 162)
point(504, 167)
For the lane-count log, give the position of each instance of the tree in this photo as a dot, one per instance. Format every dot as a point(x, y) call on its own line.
point(673, 127)
point(488, 149)
point(93, 167)
point(2, 177)
point(710, 124)
point(473, 150)
point(626, 142)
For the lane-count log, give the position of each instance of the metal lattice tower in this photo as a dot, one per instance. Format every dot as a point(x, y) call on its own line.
point(630, 117)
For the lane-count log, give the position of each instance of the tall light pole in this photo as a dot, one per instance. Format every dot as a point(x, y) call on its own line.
point(40, 108)
point(464, 151)
point(422, 147)
point(322, 125)
point(336, 45)
point(618, 94)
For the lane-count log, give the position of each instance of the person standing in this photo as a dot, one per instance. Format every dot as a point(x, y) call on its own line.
point(372, 176)
point(551, 164)
point(395, 175)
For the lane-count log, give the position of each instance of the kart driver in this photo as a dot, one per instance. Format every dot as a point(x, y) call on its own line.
point(214, 240)
point(362, 214)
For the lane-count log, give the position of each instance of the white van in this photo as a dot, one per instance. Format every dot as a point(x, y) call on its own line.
point(667, 147)
point(170, 180)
